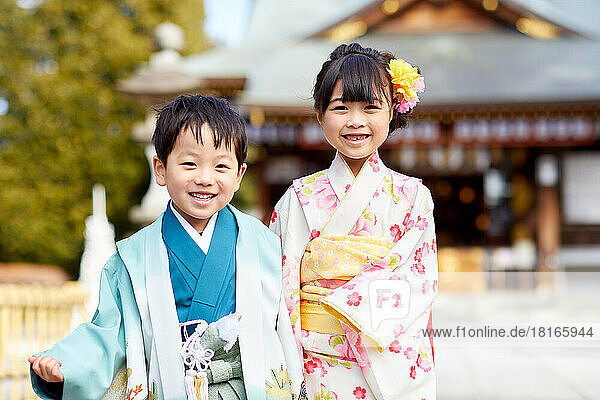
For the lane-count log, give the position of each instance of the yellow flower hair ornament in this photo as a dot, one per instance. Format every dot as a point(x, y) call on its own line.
point(406, 83)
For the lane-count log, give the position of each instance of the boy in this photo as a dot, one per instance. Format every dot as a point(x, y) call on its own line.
point(197, 264)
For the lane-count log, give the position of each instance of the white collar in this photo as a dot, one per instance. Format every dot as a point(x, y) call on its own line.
point(202, 240)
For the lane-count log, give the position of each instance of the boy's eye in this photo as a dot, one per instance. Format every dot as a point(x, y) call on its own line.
point(188, 164)
point(223, 166)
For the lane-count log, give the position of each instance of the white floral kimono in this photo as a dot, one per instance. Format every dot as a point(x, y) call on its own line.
point(339, 235)
point(136, 325)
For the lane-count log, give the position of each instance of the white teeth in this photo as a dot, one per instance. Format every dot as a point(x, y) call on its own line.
point(355, 138)
point(202, 196)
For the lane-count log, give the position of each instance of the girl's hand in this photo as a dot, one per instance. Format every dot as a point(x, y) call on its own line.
point(46, 367)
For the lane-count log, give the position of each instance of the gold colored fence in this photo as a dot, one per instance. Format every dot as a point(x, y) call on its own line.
point(32, 318)
point(462, 269)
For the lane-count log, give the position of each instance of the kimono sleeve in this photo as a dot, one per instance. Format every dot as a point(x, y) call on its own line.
point(288, 222)
point(279, 217)
point(94, 351)
point(290, 350)
point(413, 259)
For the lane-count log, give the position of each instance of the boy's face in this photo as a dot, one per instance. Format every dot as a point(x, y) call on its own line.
point(200, 179)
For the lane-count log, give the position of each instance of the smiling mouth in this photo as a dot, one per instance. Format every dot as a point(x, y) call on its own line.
point(355, 138)
point(202, 196)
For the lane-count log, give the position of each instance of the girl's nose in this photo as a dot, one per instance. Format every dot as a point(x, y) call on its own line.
point(355, 120)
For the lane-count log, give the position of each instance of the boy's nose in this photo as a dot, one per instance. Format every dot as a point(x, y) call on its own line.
point(203, 178)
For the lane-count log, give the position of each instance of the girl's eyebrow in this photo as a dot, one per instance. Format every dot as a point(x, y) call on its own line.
point(336, 99)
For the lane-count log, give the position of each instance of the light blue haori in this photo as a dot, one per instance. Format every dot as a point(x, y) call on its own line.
point(135, 336)
point(203, 284)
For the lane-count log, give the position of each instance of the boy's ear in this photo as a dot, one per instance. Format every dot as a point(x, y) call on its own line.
point(240, 175)
point(159, 171)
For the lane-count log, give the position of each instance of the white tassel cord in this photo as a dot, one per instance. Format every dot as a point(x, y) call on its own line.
point(196, 359)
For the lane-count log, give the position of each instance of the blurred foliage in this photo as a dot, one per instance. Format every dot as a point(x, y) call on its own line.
point(66, 127)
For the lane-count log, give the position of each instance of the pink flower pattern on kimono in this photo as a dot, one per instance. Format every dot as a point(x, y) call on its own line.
point(371, 271)
point(359, 392)
point(323, 194)
point(310, 366)
point(316, 364)
point(273, 216)
point(303, 198)
point(341, 345)
point(364, 226)
point(410, 353)
point(396, 232)
point(405, 192)
point(413, 372)
point(401, 188)
point(418, 268)
point(407, 222)
point(423, 364)
point(374, 162)
point(421, 223)
point(398, 330)
point(395, 347)
point(354, 299)
point(355, 343)
point(426, 286)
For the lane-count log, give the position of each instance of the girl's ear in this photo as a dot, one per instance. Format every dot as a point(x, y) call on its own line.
point(318, 116)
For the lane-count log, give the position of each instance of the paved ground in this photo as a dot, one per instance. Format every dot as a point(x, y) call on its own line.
point(545, 369)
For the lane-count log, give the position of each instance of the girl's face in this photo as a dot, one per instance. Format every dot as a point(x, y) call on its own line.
point(355, 129)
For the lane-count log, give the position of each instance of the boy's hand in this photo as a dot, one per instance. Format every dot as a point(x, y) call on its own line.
point(46, 367)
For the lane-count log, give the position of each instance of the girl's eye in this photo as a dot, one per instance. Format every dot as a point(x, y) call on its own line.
point(339, 108)
point(371, 107)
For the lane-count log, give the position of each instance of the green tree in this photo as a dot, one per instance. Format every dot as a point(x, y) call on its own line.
point(66, 127)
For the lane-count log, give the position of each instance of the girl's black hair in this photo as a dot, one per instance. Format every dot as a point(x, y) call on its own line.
point(193, 111)
point(364, 76)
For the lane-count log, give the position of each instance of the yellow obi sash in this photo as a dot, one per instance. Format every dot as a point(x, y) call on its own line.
point(328, 263)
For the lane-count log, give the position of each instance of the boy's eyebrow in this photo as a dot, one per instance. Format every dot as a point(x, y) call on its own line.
point(188, 152)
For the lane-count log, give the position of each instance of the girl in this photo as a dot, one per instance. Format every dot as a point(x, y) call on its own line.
point(358, 239)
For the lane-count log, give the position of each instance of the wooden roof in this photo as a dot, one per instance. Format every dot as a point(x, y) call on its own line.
point(438, 16)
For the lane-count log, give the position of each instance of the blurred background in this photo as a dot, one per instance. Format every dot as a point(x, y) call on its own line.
point(507, 137)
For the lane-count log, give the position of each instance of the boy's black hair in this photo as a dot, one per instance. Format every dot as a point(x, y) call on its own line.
point(364, 76)
point(193, 111)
